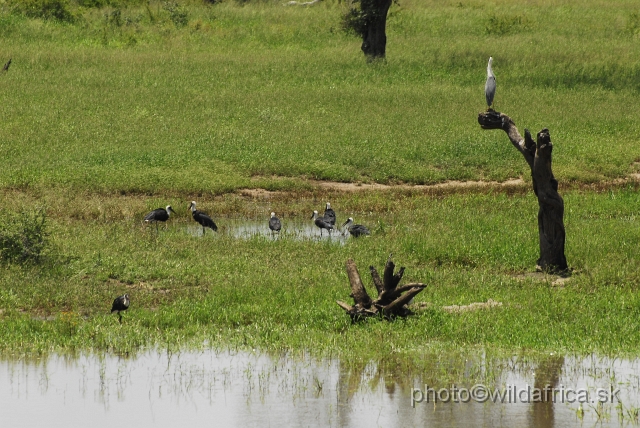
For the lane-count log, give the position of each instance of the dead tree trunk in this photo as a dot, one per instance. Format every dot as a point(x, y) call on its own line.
point(391, 301)
point(551, 206)
point(368, 19)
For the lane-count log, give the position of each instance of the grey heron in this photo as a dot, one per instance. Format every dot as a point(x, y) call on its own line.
point(329, 215)
point(274, 223)
point(490, 85)
point(159, 214)
point(202, 218)
point(321, 222)
point(121, 303)
point(355, 229)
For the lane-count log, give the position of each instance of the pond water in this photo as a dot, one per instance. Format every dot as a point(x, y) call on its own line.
point(291, 229)
point(227, 389)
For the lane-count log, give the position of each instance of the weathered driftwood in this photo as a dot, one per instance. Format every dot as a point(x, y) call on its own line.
point(391, 301)
point(537, 154)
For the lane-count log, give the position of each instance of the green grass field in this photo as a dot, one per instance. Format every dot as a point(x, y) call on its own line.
point(127, 108)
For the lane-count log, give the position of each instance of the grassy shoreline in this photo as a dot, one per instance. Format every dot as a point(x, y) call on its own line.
point(280, 295)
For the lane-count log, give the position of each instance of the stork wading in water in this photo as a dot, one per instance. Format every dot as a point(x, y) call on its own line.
point(121, 303)
point(159, 214)
point(329, 215)
point(355, 229)
point(274, 223)
point(490, 85)
point(202, 218)
point(321, 222)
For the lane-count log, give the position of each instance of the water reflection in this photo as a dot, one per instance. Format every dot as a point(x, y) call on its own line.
point(211, 388)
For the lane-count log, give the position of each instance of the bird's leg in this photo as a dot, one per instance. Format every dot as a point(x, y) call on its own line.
point(203, 230)
point(120, 317)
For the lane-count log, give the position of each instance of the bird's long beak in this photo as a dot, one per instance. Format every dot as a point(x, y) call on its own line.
point(312, 215)
point(172, 210)
point(345, 223)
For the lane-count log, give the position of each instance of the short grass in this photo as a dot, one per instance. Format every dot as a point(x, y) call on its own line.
point(138, 104)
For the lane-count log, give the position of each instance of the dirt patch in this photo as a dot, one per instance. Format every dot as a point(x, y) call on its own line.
point(554, 280)
point(452, 185)
point(455, 309)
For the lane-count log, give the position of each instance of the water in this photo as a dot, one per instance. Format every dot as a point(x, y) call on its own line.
point(208, 388)
point(291, 229)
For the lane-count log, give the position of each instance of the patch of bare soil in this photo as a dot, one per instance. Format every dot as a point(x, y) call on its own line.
point(456, 309)
point(454, 185)
point(451, 186)
point(554, 280)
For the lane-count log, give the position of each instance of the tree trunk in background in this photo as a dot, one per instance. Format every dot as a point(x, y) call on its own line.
point(545, 186)
point(374, 37)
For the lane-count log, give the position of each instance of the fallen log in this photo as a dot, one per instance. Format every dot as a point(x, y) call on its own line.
point(391, 301)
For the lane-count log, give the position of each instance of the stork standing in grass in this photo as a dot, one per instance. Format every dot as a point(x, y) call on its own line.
point(159, 214)
point(329, 215)
point(202, 218)
point(490, 85)
point(321, 222)
point(274, 223)
point(121, 303)
point(355, 229)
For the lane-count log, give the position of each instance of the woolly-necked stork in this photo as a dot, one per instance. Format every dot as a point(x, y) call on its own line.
point(274, 223)
point(329, 215)
point(159, 214)
point(121, 303)
point(202, 218)
point(355, 229)
point(321, 222)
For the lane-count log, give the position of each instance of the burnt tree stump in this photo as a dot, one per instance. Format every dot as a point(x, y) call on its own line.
point(391, 301)
point(537, 154)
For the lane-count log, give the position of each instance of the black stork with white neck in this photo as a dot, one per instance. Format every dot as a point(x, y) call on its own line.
point(202, 218)
point(329, 215)
point(121, 303)
point(355, 230)
point(159, 214)
point(321, 222)
point(274, 223)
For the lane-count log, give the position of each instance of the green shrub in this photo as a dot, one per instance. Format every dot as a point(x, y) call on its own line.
point(23, 238)
point(45, 9)
point(178, 14)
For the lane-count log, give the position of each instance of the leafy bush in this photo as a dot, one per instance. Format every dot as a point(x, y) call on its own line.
point(23, 238)
point(45, 9)
point(177, 13)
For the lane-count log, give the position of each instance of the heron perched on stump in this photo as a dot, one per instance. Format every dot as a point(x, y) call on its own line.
point(355, 229)
point(490, 85)
point(159, 214)
point(202, 218)
point(121, 303)
point(329, 215)
point(274, 223)
point(321, 222)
